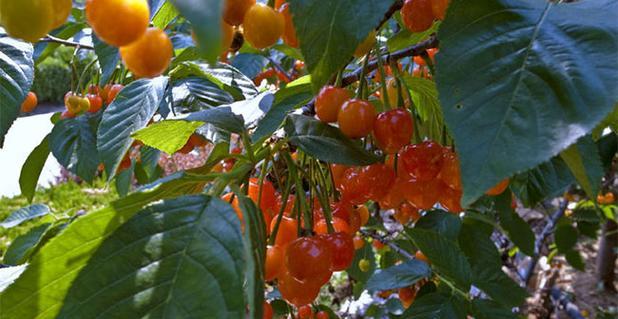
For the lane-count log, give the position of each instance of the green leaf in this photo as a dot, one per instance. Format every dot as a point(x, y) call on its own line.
point(406, 38)
point(165, 15)
point(124, 181)
point(444, 255)
point(436, 306)
point(16, 75)
point(444, 223)
point(516, 228)
point(25, 214)
point(425, 97)
point(565, 235)
point(131, 110)
point(585, 164)
point(220, 117)
point(196, 93)
point(43, 286)
point(286, 100)
point(73, 143)
point(167, 136)
point(519, 82)
point(205, 18)
point(250, 64)
point(255, 254)
point(182, 257)
point(485, 260)
point(399, 276)
point(487, 309)
point(608, 146)
point(224, 76)
point(330, 31)
point(574, 258)
point(31, 170)
point(325, 142)
point(22, 246)
point(108, 57)
point(547, 180)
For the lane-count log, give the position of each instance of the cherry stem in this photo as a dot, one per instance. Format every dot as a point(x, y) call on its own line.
point(385, 98)
point(52, 39)
point(286, 196)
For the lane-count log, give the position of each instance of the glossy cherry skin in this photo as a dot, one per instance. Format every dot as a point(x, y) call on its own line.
point(417, 15)
point(423, 195)
point(96, 102)
point(268, 311)
point(339, 225)
point(393, 130)
point(342, 247)
point(308, 258)
point(298, 292)
point(407, 296)
point(438, 8)
point(275, 259)
point(149, 56)
point(288, 231)
point(234, 11)
point(322, 315)
point(356, 118)
point(305, 312)
point(422, 161)
point(269, 202)
point(338, 172)
point(450, 173)
point(263, 26)
point(329, 101)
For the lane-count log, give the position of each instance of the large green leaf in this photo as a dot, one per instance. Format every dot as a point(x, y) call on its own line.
point(196, 93)
point(399, 276)
point(405, 38)
point(31, 170)
point(108, 57)
point(487, 309)
point(25, 214)
point(205, 18)
point(445, 256)
point(131, 110)
point(325, 142)
point(330, 31)
point(220, 117)
point(168, 136)
point(9, 274)
point(22, 246)
point(74, 144)
point(16, 75)
point(520, 81)
point(444, 223)
point(585, 164)
point(224, 76)
point(424, 94)
point(166, 14)
point(182, 257)
point(436, 306)
point(42, 288)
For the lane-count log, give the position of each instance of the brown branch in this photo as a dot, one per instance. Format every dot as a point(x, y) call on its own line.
point(391, 11)
point(52, 39)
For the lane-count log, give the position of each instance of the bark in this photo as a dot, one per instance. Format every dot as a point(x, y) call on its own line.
point(606, 259)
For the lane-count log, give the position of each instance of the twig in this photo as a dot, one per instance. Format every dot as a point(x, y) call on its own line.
point(389, 243)
point(540, 240)
point(52, 39)
point(392, 10)
point(280, 69)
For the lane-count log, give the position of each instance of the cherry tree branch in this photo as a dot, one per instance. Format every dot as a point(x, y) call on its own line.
point(52, 39)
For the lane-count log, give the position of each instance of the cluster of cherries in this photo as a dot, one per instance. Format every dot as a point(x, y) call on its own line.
point(92, 102)
point(419, 15)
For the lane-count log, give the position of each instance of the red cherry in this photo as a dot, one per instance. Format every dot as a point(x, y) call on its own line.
point(288, 231)
point(329, 102)
point(342, 247)
point(308, 258)
point(274, 262)
point(450, 173)
point(393, 130)
point(305, 312)
point(422, 161)
point(356, 118)
point(268, 311)
point(297, 292)
point(339, 225)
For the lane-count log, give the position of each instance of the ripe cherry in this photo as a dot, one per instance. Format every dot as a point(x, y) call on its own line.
point(420, 256)
point(354, 187)
point(110, 92)
point(275, 259)
point(308, 258)
point(150, 55)
point(606, 199)
point(269, 200)
point(288, 231)
point(289, 31)
point(29, 20)
point(305, 312)
point(450, 173)
point(342, 247)
point(322, 315)
point(423, 195)
point(379, 179)
point(234, 11)
point(422, 161)
point(363, 214)
point(118, 22)
point(499, 188)
point(29, 103)
point(338, 172)
point(268, 311)
point(76, 104)
point(438, 8)
point(393, 130)
point(356, 118)
point(359, 242)
point(234, 202)
point(407, 296)
point(339, 225)
point(417, 15)
point(329, 101)
point(450, 199)
point(297, 292)
point(96, 102)
point(263, 26)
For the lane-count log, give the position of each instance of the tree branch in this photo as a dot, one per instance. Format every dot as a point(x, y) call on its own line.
point(52, 39)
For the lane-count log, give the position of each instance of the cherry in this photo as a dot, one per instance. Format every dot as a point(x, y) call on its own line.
point(356, 118)
point(379, 178)
point(359, 242)
point(110, 92)
point(297, 292)
point(422, 161)
point(263, 26)
point(234, 202)
point(451, 199)
point(96, 102)
point(342, 247)
point(393, 130)
point(339, 225)
point(363, 214)
point(407, 296)
point(450, 172)
point(269, 200)
point(417, 15)
point(289, 31)
point(274, 262)
point(268, 311)
point(149, 56)
point(329, 101)
point(118, 22)
point(420, 256)
point(322, 315)
point(338, 172)
point(288, 231)
point(305, 312)
point(499, 188)
point(29, 104)
point(308, 258)
point(396, 194)
point(234, 11)
point(438, 8)
point(423, 195)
